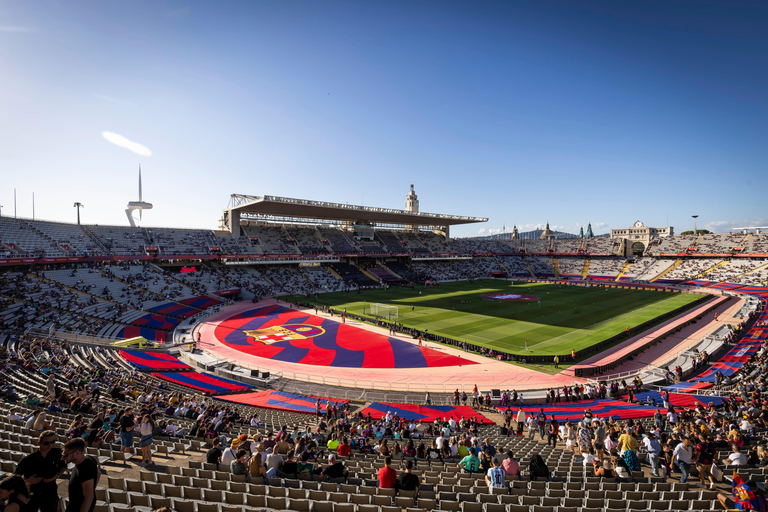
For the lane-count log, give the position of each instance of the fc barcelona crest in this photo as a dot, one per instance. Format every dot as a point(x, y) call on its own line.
point(279, 333)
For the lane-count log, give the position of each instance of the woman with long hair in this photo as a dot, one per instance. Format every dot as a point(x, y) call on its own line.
point(384, 448)
point(14, 493)
point(146, 430)
point(76, 428)
point(40, 423)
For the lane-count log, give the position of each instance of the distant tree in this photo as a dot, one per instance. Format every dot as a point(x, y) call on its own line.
point(698, 231)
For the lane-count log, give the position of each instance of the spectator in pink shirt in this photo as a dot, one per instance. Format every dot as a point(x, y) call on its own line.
point(510, 465)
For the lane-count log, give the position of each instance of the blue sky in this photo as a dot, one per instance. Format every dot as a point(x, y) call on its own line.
point(522, 112)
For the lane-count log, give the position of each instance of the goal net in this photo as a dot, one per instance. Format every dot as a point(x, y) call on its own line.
point(384, 311)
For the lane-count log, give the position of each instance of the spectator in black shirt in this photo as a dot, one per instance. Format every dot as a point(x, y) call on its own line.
point(290, 467)
point(40, 470)
point(83, 480)
point(335, 471)
point(213, 456)
point(407, 481)
point(15, 493)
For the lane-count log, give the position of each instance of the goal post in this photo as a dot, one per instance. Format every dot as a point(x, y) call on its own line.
point(384, 311)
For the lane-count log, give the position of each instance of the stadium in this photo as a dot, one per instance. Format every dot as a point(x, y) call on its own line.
point(569, 316)
point(301, 307)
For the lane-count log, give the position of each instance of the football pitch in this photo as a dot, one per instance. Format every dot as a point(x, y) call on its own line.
point(567, 317)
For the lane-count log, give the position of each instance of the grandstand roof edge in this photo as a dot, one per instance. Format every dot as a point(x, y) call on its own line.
point(306, 208)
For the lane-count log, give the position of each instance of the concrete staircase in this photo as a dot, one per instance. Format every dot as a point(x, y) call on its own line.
point(556, 267)
point(710, 269)
point(676, 264)
point(585, 269)
point(623, 271)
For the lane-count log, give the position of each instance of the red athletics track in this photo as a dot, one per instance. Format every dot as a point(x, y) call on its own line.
point(483, 371)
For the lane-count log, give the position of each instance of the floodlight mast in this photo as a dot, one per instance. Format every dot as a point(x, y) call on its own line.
point(78, 205)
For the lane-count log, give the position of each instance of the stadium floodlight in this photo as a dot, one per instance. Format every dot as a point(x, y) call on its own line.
point(384, 311)
point(78, 205)
point(695, 231)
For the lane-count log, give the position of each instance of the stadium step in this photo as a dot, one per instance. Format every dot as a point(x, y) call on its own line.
point(392, 272)
point(710, 269)
point(585, 269)
point(672, 267)
point(528, 264)
point(623, 271)
point(370, 275)
point(556, 267)
point(749, 272)
point(335, 274)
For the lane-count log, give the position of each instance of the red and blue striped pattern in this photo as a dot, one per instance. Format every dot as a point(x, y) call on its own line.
point(281, 401)
point(428, 413)
point(153, 361)
point(133, 331)
point(173, 309)
point(201, 302)
point(688, 387)
point(203, 382)
point(152, 321)
point(616, 409)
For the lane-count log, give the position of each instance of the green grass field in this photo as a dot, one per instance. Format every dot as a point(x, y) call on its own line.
point(569, 317)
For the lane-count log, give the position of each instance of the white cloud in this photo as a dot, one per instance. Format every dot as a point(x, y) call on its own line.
point(724, 226)
point(123, 142)
point(114, 100)
point(17, 29)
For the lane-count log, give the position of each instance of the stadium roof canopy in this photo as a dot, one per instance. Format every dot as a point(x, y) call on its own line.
point(286, 207)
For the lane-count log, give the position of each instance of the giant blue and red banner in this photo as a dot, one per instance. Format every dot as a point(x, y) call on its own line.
point(616, 409)
point(428, 413)
point(174, 309)
point(282, 334)
point(282, 401)
point(203, 382)
point(202, 302)
point(152, 321)
point(153, 361)
point(133, 331)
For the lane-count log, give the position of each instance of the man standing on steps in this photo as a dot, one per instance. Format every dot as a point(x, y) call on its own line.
point(84, 477)
point(40, 470)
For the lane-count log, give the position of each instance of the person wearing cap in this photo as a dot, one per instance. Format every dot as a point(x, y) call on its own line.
point(230, 453)
point(653, 447)
point(470, 463)
point(335, 470)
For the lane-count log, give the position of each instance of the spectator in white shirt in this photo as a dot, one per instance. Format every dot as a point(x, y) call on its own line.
point(682, 458)
point(736, 458)
point(672, 417)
